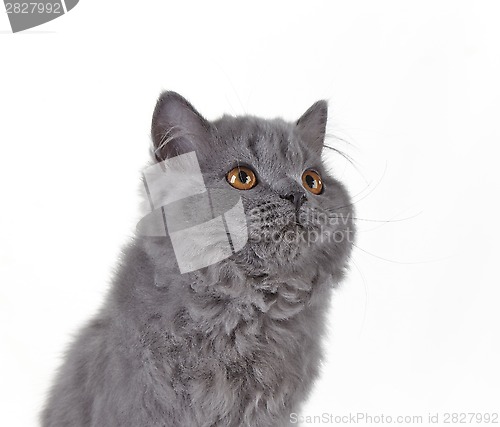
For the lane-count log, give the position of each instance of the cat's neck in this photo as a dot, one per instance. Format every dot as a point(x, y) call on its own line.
point(214, 299)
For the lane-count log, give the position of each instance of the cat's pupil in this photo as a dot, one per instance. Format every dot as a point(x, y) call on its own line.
point(311, 182)
point(244, 177)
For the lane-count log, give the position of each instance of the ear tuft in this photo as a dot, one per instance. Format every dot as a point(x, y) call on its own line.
point(177, 127)
point(312, 125)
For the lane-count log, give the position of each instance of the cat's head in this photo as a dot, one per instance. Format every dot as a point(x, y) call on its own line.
point(296, 215)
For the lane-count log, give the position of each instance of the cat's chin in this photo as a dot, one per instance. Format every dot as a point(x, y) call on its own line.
point(299, 252)
point(264, 257)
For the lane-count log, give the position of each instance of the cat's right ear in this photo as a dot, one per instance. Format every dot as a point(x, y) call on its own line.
point(177, 127)
point(312, 125)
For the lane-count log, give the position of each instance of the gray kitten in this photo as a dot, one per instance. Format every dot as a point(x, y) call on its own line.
point(236, 342)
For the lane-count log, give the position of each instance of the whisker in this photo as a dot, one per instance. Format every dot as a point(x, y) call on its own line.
point(338, 138)
point(401, 262)
point(388, 220)
point(344, 155)
point(366, 195)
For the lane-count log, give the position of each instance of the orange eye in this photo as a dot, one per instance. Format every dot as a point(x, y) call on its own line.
point(312, 182)
point(241, 178)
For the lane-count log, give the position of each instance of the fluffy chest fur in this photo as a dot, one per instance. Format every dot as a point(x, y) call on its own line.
point(246, 363)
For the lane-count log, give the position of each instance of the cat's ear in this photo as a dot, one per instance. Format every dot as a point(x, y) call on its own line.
point(312, 125)
point(177, 127)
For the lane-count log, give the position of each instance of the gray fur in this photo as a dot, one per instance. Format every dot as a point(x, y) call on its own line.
point(234, 344)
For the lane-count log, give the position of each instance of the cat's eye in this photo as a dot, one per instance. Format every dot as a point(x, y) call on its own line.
point(242, 178)
point(312, 182)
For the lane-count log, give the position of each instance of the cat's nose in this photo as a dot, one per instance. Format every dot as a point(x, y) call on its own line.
point(296, 197)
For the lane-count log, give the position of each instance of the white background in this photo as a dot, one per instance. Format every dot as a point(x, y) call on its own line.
point(414, 90)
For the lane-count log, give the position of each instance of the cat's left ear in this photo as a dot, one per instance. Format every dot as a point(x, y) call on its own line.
point(312, 125)
point(177, 127)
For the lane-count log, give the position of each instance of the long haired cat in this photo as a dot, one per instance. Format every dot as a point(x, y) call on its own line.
point(216, 314)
